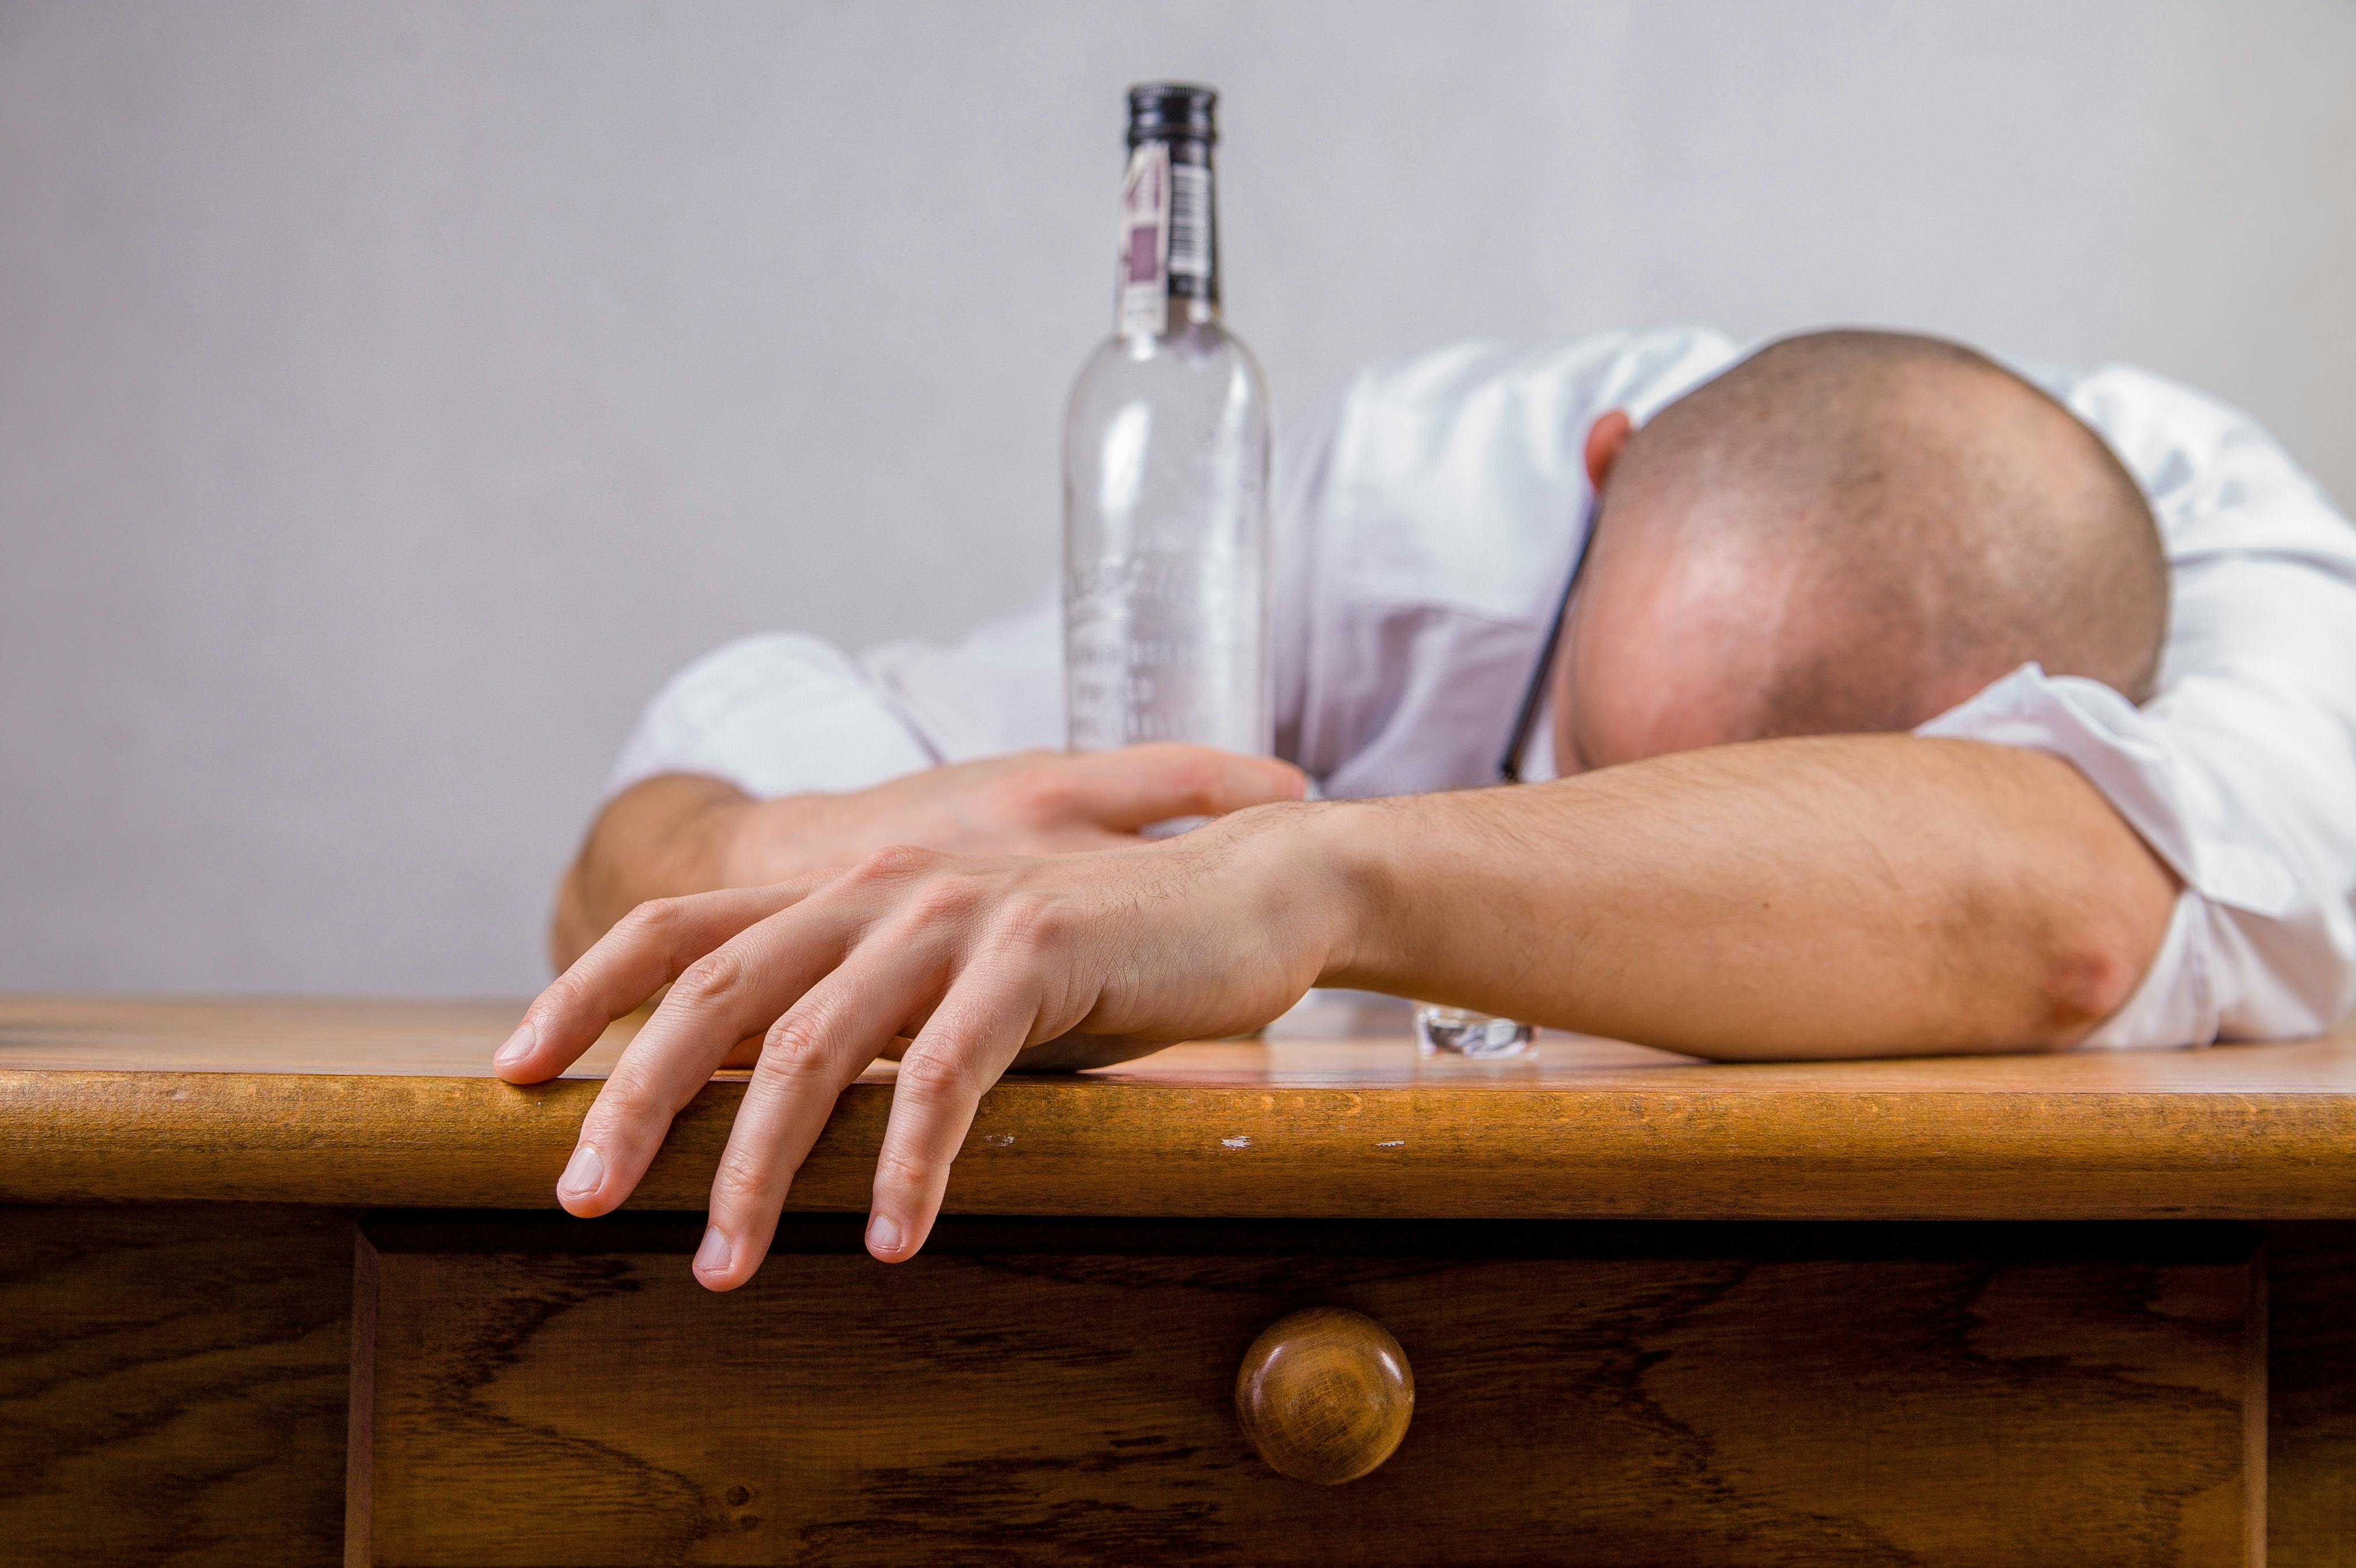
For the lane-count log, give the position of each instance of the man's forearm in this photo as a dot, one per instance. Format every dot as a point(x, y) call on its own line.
point(1847, 896)
point(658, 839)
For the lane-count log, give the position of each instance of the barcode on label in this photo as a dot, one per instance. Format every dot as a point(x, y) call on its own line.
point(1190, 220)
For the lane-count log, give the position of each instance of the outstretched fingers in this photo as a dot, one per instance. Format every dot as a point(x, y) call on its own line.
point(648, 949)
point(970, 1039)
point(809, 1058)
point(737, 990)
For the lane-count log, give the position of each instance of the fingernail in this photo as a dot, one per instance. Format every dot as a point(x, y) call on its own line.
point(518, 1045)
point(583, 1172)
point(713, 1256)
point(882, 1234)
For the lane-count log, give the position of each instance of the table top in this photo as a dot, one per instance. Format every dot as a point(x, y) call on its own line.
point(390, 1103)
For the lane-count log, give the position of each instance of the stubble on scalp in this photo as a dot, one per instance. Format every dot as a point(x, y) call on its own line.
point(1860, 528)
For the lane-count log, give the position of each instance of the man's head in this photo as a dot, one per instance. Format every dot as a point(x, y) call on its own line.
point(1847, 531)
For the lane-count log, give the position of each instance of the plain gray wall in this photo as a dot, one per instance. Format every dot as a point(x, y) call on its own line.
point(392, 396)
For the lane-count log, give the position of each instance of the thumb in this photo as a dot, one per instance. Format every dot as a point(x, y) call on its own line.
point(1128, 789)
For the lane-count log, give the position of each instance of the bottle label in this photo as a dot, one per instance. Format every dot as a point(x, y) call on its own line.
point(1145, 240)
point(1190, 228)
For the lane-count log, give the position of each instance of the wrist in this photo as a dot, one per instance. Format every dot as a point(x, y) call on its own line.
point(1331, 873)
point(754, 844)
point(660, 838)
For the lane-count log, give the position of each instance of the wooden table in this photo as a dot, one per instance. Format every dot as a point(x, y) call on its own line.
point(282, 1281)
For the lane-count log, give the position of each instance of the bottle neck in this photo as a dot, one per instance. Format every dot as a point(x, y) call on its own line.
point(1169, 268)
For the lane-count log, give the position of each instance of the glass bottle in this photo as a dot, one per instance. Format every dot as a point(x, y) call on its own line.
point(1165, 471)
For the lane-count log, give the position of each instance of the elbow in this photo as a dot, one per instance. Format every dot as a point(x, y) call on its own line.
point(2093, 909)
point(2080, 978)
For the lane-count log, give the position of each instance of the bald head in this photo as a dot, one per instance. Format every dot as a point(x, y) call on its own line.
point(1849, 532)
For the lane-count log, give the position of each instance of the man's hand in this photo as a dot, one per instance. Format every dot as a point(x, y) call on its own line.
point(1032, 802)
point(971, 959)
point(682, 833)
point(1845, 896)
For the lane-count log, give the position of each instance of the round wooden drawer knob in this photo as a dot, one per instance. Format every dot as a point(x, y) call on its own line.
point(1326, 1395)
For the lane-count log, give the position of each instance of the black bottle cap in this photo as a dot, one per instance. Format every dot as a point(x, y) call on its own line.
point(1166, 110)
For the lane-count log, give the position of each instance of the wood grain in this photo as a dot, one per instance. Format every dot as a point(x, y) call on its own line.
point(1584, 1130)
point(455, 1039)
point(1043, 1396)
point(2311, 1399)
point(173, 1385)
point(347, 1036)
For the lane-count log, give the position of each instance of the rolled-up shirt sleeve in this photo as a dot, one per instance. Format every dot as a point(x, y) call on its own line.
point(786, 713)
point(777, 713)
point(2239, 772)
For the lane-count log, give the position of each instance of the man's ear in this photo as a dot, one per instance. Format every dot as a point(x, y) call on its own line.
point(1605, 437)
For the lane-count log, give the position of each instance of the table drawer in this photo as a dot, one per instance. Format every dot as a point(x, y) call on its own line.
point(1066, 1392)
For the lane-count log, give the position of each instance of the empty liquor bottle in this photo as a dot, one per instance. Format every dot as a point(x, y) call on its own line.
point(1165, 471)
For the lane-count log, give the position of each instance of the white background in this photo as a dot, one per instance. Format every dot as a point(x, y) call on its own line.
point(391, 396)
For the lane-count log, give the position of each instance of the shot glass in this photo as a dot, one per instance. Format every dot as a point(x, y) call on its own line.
point(1457, 1032)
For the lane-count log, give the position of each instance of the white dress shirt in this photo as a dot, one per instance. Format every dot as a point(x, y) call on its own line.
point(1426, 517)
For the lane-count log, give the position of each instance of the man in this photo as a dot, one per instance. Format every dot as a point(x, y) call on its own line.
point(1872, 729)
